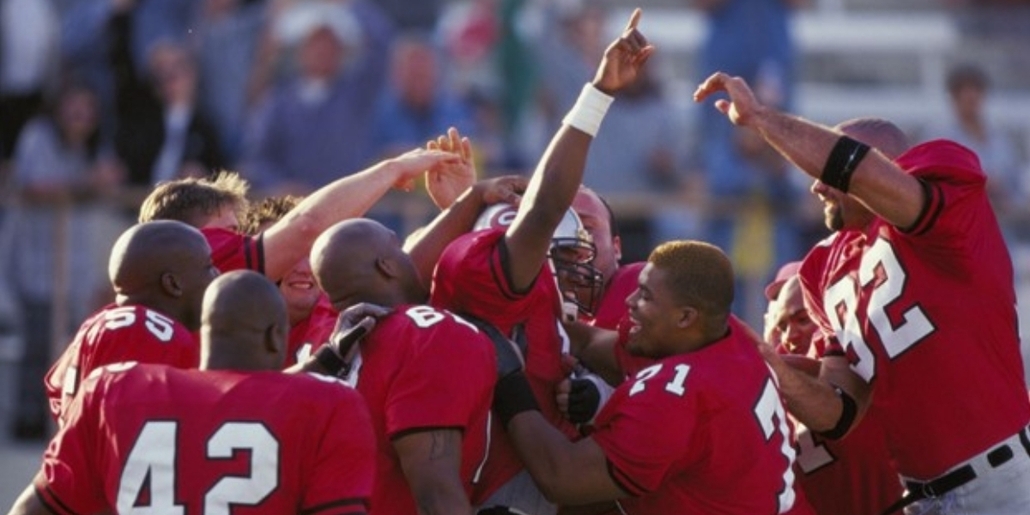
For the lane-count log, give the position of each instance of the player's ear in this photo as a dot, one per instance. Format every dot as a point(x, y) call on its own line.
point(617, 247)
point(687, 315)
point(170, 284)
point(386, 266)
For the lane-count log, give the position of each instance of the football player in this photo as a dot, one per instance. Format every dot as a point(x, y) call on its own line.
point(236, 434)
point(159, 271)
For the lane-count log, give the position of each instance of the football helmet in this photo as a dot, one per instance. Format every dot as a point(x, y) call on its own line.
point(571, 254)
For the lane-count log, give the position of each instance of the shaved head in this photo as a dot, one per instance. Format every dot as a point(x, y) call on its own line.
point(244, 323)
point(165, 265)
point(878, 133)
point(360, 260)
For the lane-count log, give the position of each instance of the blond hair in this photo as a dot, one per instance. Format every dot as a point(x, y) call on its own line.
point(193, 200)
point(697, 274)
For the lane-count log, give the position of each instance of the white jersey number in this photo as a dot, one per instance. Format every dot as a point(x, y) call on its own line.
point(812, 452)
point(153, 456)
point(772, 418)
point(881, 270)
point(159, 325)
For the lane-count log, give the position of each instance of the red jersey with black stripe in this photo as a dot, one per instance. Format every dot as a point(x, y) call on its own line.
point(927, 316)
point(150, 437)
point(702, 432)
point(422, 369)
point(231, 250)
point(470, 277)
point(115, 334)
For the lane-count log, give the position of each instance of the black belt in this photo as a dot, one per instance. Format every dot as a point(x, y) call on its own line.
point(956, 478)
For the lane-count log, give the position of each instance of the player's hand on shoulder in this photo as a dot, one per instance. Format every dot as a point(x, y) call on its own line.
point(448, 180)
point(352, 325)
point(624, 58)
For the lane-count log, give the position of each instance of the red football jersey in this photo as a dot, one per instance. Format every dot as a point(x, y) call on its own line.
point(149, 437)
point(612, 306)
point(917, 311)
point(470, 278)
point(115, 334)
point(231, 250)
point(702, 432)
point(423, 368)
point(309, 334)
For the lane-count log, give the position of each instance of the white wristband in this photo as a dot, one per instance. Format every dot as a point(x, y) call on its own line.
point(589, 110)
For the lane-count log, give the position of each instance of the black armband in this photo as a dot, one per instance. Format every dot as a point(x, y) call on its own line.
point(843, 160)
point(847, 416)
point(513, 395)
point(333, 364)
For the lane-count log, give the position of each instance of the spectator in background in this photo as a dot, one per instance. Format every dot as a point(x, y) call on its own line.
point(28, 64)
point(968, 86)
point(315, 125)
point(227, 40)
point(416, 105)
point(62, 172)
point(86, 39)
point(750, 213)
point(162, 133)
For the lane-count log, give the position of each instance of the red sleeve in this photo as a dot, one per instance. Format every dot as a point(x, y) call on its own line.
point(340, 481)
point(648, 430)
point(233, 251)
point(955, 188)
point(435, 346)
point(69, 480)
point(470, 278)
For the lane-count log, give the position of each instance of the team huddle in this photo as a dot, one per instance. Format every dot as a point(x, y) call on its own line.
point(293, 357)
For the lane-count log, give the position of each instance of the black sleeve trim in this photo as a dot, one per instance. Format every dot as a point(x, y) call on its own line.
point(507, 288)
point(412, 430)
point(834, 353)
point(353, 501)
point(933, 204)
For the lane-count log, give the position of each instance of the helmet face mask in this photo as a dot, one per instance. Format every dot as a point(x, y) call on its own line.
point(571, 254)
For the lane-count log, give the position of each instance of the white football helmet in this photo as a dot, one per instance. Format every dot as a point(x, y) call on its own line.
point(572, 254)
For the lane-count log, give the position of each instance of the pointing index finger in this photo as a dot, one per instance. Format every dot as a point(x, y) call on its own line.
point(634, 19)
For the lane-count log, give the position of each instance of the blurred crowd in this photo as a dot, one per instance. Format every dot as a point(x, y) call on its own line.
point(102, 99)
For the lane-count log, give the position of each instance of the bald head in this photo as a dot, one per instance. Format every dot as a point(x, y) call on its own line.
point(360, 260)
point(245, 325)
point(165, 265)
point(878, 133)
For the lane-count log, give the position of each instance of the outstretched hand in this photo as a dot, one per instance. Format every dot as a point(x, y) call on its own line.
point(624, 58)
point(450, 179)
point(742, 105)
point(413, 163)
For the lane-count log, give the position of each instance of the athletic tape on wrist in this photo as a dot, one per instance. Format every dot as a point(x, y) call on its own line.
point(589, 110)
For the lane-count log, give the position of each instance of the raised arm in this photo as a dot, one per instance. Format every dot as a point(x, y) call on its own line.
point(290, 239)
point(821, 152)
point(560, 171)
point(431, 461)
